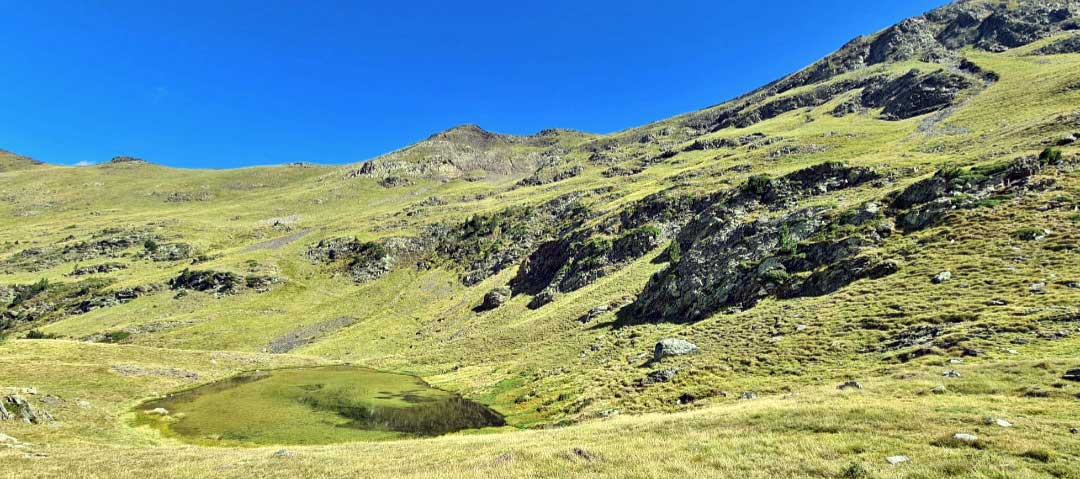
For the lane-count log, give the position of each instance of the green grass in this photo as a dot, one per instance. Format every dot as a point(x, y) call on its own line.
point(542, 368)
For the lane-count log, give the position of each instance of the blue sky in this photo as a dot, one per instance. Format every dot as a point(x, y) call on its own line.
point(219, 84)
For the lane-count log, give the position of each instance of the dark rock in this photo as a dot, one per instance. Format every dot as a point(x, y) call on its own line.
point(221, 282)
point(660, 376)
point(542, 299)
point(495, 298)
point(1072, 375)
point(593, 314)
point(97, 269)
point(915, 94)
point(850, 385)
point(839, 275)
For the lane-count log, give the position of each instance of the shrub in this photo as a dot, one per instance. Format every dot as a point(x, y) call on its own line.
point(758, 184)
point(116, 336)
point(1041, 455)
point(35, 334)
point(674, 252)
point(1050, 154)
point(150, 245)
point(855, 471)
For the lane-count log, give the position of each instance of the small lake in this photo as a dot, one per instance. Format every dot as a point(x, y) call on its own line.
point(319, 405)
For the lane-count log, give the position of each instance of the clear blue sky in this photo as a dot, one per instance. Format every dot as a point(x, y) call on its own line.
point(231, 83)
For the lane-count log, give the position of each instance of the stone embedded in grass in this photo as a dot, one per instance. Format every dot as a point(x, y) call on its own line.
point(850, 385)
point(673, 347)
point(158, 411)
point(1072, 375)
point(997, 302)
point(939, 389)
point(748, 396)
point(991, 421)
point(964, 437)
point(661, 376)
point(894, 460)
point(941, 277)
point(4, 438)
point(952, 373)
point(1037, 288)
point(283, 453)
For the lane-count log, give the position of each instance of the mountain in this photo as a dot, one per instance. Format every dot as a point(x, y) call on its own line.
point(868, 268)
point(471, 152)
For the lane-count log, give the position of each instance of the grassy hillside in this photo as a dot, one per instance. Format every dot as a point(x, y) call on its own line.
point(92, 258)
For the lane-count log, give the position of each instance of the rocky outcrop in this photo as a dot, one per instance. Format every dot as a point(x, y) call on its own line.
point(105, 244)
point(16, 408)
point(97, 269)
point(469, 149)
point(364, 261)
point(728, 261)
point(915, 94)
point(1068, 45)
point(484, 245)
point(219, 282)
point(927, 202)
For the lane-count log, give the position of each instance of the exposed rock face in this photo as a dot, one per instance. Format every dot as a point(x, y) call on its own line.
point(915, 94)
point(728, 261)
point(467, 149)
point(927, 202)
point(672, 347)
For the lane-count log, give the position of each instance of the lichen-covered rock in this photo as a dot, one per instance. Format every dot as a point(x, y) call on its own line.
point(672, 347)
point(16, 408)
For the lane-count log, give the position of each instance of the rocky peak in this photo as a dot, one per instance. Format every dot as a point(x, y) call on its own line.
point(126, 159)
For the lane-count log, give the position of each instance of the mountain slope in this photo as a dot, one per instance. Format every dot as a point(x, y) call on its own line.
point(799, 236)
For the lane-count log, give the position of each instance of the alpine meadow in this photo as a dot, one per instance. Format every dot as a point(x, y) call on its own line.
point(869, 268)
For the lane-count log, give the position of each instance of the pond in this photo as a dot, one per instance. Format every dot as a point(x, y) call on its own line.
point(318, 405)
